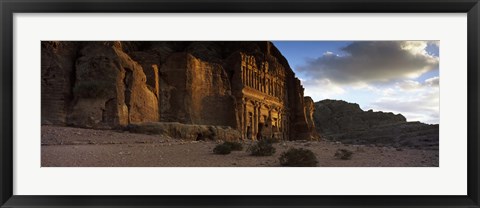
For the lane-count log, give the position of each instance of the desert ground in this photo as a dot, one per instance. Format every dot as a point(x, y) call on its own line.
point(77, 147)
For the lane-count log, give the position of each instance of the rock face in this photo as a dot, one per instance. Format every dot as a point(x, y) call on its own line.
point(333, 116)
point(199, 92)
point(186, 131)
point(57, 71)
point(110, 88)
point(348, 123)
point(247, 86)
point(309, 115)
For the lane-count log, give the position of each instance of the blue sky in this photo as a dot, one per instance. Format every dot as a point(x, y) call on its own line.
point(390, 76)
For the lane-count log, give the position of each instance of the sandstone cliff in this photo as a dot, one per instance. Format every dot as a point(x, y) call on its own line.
point(58, 64)
point(113, 84)
point(348, 123)
point(110, 88)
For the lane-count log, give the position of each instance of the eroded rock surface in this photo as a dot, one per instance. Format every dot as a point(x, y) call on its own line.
point(57, 71)
point(110, 88)
point(188, 132)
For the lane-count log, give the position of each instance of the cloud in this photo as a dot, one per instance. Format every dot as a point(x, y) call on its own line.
point(408, 85)
point(416, 101)
point(434, 81)
point(372, 62)
point(322, 89)
point(412, 85)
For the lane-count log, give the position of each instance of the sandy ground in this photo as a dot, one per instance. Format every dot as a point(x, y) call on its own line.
point(76, 147)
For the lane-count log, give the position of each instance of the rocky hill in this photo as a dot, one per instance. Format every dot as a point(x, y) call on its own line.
point(348, 123)
point(247, 86)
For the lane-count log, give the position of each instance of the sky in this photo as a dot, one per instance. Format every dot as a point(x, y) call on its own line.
point(389, 76)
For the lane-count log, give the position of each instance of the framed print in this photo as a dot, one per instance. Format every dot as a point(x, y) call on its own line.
point(239, 104)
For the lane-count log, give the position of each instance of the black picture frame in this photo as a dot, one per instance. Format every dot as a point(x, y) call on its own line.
point(9, 7)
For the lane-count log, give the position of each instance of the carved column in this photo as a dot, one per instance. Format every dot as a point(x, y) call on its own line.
point(278, 89)
point(263, 83)
point(259, 81)
point(259, 114)
point(271, 88)
point(274, 88)
point(244, 119)
point(279, 119)
point(243, 75)
point(254, 123)
point(255, 80)
point(248, 76)
point(266, 84)
point(251, 77)
point(273, 82)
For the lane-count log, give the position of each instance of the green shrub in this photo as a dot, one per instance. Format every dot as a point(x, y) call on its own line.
point(234, 146)
point(222, 149)
point(298, 158)
point(343, 154)
point(261, 148)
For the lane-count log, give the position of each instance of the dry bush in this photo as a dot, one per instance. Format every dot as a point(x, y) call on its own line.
point(298, 158)
point(261, 148)
point(222, 149)
point(234, 146)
